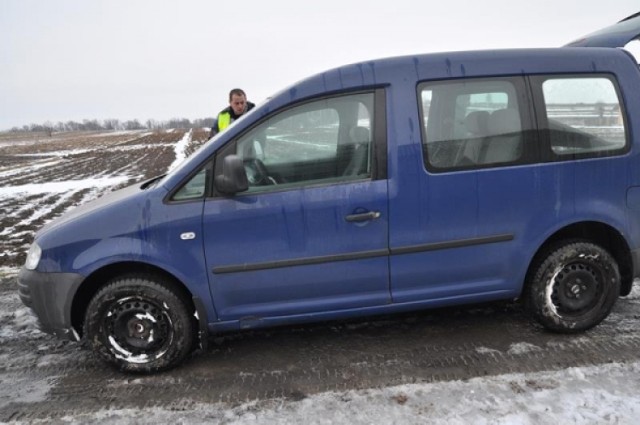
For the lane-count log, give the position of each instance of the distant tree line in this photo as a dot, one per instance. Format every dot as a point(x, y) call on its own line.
point(115, 124)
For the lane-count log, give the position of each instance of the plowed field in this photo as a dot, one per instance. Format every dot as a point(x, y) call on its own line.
point(41, 177)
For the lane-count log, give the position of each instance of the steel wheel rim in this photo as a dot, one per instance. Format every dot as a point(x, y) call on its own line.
point(577, 289)
point(138, 330)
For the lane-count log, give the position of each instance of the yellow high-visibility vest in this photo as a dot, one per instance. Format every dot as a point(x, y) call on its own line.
point(224, 119)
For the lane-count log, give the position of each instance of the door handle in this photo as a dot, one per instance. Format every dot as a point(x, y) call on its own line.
point(356, 218)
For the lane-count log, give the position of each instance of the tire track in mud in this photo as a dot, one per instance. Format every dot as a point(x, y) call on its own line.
point(292, 363)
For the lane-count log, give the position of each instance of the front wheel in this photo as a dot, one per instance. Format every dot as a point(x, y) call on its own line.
point(573, 287)
point(139, 324)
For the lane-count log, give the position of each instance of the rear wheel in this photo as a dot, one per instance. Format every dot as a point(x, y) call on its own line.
point(139, 324)
point(574, 287)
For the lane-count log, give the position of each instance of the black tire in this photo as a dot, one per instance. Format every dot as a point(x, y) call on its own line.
point(573, 287)
point(139, 324)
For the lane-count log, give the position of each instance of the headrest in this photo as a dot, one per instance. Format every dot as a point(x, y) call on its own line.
point(359, 135)
point(476, 123)
point(504, 121)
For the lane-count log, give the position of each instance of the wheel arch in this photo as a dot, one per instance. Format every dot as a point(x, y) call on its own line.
point(101, 277)
point(596, 232)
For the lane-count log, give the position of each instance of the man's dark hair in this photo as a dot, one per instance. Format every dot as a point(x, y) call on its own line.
point(237, 92)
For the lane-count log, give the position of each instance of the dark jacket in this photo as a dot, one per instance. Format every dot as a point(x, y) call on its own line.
point(215, 129)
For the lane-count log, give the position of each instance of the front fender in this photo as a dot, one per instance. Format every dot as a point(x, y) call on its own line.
point(185, 264)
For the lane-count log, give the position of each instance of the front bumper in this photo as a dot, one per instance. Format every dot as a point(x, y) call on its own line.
point(50, 296)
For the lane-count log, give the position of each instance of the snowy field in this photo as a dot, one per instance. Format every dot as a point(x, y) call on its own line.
point(40, 179)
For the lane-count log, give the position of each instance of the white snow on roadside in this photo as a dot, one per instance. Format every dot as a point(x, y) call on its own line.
point(65, 153)
point(25, 388)
point(8, 271)
point(58, 154)
point(29, 168)
point(138, 133)
point(523, 348)
point(485, 350)
point(19, 322)
point(139, 147)
point(180, 149)
point(38, 212)
point(607, 394)
point(62, 186)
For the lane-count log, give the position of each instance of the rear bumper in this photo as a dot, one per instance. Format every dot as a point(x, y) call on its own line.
point(50, 296)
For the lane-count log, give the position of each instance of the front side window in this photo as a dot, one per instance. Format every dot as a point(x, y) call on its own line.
point(319, 142)
point(584, 116)
point(471, 123)
point(194, 188)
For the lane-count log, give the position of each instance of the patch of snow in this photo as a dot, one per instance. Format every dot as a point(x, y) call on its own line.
point(25, 388)
point(62, 186)
point(485, 350)
point(59, 154)
point(8, 271)
point(635, 291)
point(33, 140)
point(26, 170)
point(141, 146)
point(180, 150)
point(17, 322)
point(597, 394)
point(117, 133)
point(522, 348)
point(46, 209)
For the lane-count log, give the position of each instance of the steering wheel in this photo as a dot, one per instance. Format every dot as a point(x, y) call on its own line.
point(257, 173)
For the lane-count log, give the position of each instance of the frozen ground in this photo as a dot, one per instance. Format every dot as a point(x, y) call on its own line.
point(590, 395)
point(593, 378)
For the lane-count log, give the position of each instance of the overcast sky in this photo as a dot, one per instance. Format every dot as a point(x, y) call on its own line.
point(66, 60)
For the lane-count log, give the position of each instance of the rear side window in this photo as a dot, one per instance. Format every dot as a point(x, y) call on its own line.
point(472, 123)
point(583, 116)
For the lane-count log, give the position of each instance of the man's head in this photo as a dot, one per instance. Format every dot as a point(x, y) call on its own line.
point(238, 101)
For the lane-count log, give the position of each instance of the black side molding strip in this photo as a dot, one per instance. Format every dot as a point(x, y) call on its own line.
point(451, 244)
point(360, 255)
point(300, 261)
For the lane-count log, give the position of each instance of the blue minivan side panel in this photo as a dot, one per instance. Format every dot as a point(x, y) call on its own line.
point(292, 252)
point(475, 232)
point(140, 228)
point(286, 256)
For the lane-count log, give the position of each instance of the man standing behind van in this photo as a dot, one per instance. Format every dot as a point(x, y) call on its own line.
point(238, 105)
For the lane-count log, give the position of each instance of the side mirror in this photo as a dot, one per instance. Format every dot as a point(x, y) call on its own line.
point(233, 178)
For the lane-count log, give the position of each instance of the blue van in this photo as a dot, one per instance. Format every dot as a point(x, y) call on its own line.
point(384, 186)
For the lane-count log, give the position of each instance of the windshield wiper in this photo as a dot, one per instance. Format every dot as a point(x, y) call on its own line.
point(151, 182)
